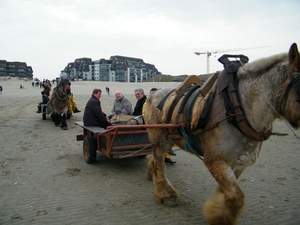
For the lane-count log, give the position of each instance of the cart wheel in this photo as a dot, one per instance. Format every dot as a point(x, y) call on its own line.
point(89, 150)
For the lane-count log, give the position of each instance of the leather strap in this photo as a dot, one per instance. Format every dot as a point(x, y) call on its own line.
point(240, 118)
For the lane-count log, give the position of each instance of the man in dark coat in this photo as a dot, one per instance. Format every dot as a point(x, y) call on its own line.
point(93, 115)
point(141, 97)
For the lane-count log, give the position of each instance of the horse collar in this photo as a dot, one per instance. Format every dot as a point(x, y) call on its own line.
point(60, 98)
point(238, 118)
point(228, 88)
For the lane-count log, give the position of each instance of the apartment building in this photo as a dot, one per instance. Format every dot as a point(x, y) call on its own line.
point(77, 69)
point(15, 69)
point(115, 69)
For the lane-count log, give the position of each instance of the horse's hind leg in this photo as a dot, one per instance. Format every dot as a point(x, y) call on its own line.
point(226, 204)
point(64, 124)
point(165, 192)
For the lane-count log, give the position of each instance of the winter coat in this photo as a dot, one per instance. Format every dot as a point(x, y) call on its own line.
point(93, 115)
point(45, 99)
point(139, 106)
point(122, 106)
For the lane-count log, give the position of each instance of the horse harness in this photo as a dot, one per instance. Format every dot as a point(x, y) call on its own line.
point(60, 98)
point(227, 86)
point(295, 83)
point(56, 94)
point(188, 98)
point(228, 89)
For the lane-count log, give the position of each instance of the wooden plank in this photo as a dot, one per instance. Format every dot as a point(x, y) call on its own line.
point(94, 130)
point(204, 89)
point(193, 79)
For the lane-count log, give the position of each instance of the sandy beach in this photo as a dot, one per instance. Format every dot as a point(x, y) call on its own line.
point(45, 180)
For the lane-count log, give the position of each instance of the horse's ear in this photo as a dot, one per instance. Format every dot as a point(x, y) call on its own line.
point(294, 56)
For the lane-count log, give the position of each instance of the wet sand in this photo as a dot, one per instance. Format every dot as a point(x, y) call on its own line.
point(44, 179)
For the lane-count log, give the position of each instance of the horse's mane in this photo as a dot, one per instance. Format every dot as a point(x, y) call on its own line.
point(261, 66)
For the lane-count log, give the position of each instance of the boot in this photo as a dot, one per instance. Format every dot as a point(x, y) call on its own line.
point(76, 110)
point(39, 109)
point(169, 161)
point(171, 152)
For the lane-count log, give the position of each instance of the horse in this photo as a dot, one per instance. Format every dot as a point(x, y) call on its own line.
point(239, 118)
point(60, 102)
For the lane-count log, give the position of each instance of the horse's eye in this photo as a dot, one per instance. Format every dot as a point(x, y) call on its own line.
point(298, 100)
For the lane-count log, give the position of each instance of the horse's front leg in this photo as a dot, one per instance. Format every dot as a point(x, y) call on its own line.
point(57, 119)
point(64, 124)
point(165, 192)
point(226, 204)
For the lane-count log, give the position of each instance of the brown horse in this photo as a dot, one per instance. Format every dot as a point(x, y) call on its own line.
point(59, 102)
point(236, 124)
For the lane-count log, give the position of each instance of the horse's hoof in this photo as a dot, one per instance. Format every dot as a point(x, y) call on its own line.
point(57, 125)
point(170, 202)
point(64, 128)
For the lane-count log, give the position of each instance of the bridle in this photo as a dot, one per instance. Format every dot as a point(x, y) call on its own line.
point(295, 83)
point(61, 96)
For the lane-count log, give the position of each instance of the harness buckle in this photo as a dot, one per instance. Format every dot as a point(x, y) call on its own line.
point(230, 117)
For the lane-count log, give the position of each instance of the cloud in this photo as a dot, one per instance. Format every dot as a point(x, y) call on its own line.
point(164, 33)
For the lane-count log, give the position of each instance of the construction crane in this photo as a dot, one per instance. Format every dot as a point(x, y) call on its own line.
point(209, 53)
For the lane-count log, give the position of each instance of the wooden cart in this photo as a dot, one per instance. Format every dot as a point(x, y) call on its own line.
point(118, 141)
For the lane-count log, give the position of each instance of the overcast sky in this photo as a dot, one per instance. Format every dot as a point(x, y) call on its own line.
point(48, 34)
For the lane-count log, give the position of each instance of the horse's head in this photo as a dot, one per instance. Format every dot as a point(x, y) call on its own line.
point(291, 100)
point(66, 86)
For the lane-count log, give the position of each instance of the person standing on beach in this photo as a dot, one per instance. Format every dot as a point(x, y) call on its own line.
point(107, 90)
point(93, 114)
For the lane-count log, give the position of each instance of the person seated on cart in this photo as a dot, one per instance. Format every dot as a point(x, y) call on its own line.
point(139, 94)
point(44, 101)
point(141, 99)
point(93, 114)
point(47, 87)
point(121, 105)
point(72, 104)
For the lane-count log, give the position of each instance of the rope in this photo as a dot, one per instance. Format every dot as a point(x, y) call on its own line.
point(136, 152)
point(187, 144)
